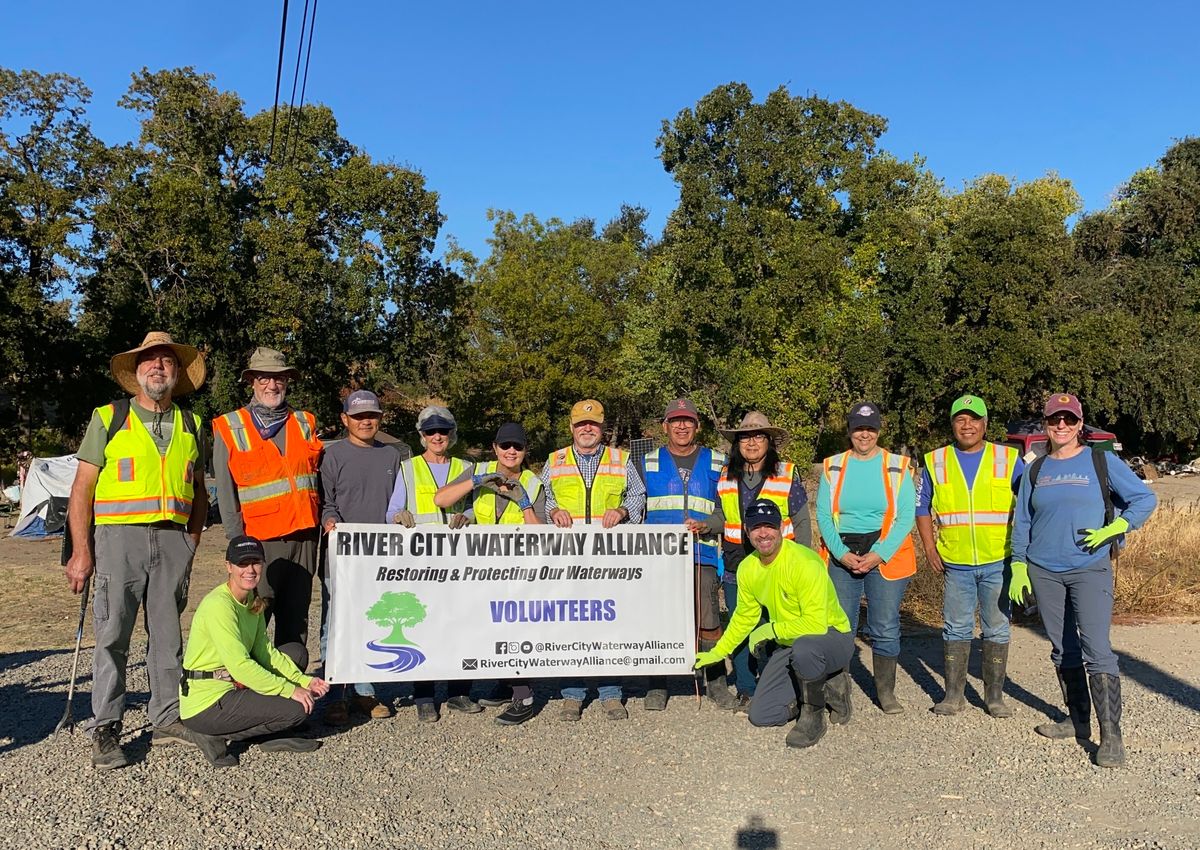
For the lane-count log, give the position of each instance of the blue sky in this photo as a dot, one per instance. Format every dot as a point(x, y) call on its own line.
point(553, 108)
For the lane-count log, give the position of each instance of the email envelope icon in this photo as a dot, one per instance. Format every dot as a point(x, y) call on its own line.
point(470, 663)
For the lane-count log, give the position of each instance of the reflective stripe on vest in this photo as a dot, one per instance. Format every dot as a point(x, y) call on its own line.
point(667, 498)
point(581, 501)
point(277, 492)
point(485, 500)
point(420, 487)
point(973, 520)
point(894, 467)
point(774, 489)
point(139, 485)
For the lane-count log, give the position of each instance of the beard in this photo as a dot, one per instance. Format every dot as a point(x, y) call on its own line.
point(156, 386)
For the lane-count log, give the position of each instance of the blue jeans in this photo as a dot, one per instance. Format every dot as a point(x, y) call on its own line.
point(985, 586)
point(743, 676)
point(365, 689)
point(883, 605)
point(608, 688)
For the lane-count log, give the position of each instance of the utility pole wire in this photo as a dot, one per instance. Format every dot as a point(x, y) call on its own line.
point(287, 126)
point(278, 79)
point(312, 25)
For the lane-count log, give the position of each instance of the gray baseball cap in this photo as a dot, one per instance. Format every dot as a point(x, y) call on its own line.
point(361, 401)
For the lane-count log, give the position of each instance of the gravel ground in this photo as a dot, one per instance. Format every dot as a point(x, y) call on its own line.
point(679, 778)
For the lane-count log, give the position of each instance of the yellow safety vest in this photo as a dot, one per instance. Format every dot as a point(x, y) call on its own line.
point(138, 485)
point(774, 489)
point(973, 521)
point(420, 487)
point(573, 496)
point(486, 500)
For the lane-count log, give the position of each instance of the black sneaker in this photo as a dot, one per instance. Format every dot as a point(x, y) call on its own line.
point(499, 695)
point(464, 704)
point(106, 748)
point(289, 745)
point(517, 712)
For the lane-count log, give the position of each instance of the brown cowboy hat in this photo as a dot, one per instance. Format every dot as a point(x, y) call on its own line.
point(268, 361)
point(192, 370)
point(756, 421)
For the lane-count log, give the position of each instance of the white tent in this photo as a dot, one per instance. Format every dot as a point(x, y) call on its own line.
point(49, 478)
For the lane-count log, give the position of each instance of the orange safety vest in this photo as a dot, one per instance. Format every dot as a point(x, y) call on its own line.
point(895, 467)
point(277, 492)
point(774, 489)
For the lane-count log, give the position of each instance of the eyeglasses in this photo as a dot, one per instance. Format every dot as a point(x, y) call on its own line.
point(270, 379)
point(441, 432)
point(1063, 418)
point(510, 446)
point(758, 437)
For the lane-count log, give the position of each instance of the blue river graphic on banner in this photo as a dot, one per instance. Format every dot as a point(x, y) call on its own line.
point(397, 611)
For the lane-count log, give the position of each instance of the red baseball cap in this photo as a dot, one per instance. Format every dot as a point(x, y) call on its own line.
point(1062, 403)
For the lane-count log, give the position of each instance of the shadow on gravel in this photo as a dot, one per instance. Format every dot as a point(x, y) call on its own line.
point(12, 660)
point(756, 835)
point(1156, 679)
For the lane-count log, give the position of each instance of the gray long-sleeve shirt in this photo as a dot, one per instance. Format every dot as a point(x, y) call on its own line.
point(356, 481)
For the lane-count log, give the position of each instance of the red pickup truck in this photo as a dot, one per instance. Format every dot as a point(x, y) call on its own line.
point(1029, 438)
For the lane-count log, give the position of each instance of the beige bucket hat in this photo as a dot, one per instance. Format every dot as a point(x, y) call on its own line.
point(757, 421)
point(192, 370)
point(270, 362)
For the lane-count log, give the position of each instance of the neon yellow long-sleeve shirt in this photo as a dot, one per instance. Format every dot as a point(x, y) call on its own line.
point(226, 635)
point(796, 591)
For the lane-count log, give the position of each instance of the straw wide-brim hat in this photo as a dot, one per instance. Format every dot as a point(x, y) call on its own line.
point(192, 370)
point(756, 421)
point(269, 362)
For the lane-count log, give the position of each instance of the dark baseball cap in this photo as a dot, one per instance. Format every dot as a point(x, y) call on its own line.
point(1063, 403)
point(762, 512)
point(864, 415)
point(361, 401)
point(681, 408)
point(244, 549)
point(511, 432)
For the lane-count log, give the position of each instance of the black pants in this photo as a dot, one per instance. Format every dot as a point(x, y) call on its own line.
point(243, 713)
point(286, 584)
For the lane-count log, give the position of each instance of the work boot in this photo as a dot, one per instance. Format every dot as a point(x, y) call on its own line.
point(371, 706)
point(427, 713)
point(214, 750)
point(518, 712)
point(810, 727)
point(337, 713)
point(837, 698)
point(656, 699)
point(1078, 723)
point(500, 694)
point(1106, 696)
point(570, 710)
point(957, 653)
point(995, 674)
point(106, 747)
point(614, 709)
point(172, 733)
point(464, 704)
point(885, 684)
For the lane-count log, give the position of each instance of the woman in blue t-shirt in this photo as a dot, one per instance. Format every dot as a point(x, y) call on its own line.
point(1061, 547)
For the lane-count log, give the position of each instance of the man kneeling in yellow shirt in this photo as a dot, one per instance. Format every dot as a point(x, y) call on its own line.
point(807, 635)
point(235, 685)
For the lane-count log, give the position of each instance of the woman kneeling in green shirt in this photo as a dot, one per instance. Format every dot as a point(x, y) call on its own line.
point(235, 685)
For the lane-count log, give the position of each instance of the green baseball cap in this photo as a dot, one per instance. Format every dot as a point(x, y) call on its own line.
point(971, 404)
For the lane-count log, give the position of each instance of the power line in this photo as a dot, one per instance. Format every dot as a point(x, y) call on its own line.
point(312, 25)
point(278, 80)
point(287, 127)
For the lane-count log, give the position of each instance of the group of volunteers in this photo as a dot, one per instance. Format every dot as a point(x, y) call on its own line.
point(998, 530)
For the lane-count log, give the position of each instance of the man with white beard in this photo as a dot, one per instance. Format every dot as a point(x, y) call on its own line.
point(140, 482)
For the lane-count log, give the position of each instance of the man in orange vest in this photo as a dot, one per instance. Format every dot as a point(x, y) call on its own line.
point(265, 458)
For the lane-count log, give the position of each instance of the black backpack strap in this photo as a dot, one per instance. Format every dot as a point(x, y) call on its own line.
point(1033, 470)
point(189, 420)
point(120, 415)
point(1101, 463)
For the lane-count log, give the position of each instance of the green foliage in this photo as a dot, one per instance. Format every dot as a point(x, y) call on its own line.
point(397, 611)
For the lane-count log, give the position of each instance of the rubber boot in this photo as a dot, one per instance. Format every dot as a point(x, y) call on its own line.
point(656, 699)
point(995, 674)
point(1078, 723)
point(885, 684)
point(837, 698)
point(715, 685)
point(1106, 696)
point(957, 653)
point(810, 726)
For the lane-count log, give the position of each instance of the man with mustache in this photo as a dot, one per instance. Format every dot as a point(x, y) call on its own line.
point(265, 459)
point(140, 483)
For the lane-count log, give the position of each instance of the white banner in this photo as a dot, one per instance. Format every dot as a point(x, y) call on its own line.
point(505, 601)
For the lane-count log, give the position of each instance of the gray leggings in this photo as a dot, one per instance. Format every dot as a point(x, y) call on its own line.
point(1076, 608)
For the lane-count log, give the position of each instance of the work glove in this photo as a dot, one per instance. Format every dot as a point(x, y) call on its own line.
point(405, 518)
point(760, 640)
point(703, 659)
point(519, 494)
point(1020, 585)
point(1095, 538)
point(459, 520)
point(482, 479)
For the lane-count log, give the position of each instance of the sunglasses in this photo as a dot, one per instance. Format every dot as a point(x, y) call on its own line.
point(1062, 418)
point(509, 446)
point(439, 431)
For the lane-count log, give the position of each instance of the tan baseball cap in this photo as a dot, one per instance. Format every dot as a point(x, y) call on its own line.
point(588, 410)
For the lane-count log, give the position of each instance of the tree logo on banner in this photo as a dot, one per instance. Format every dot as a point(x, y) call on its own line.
point(397, 611)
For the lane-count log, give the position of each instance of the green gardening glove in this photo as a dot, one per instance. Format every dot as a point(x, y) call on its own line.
point(703, 659)
point(1094, 538)
point(1020, 585)
point(759, 638)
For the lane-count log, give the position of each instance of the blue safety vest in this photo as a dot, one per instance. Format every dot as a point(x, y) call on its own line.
point(669, 501)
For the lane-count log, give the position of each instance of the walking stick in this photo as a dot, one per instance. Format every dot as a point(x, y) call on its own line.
point(68, 720)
